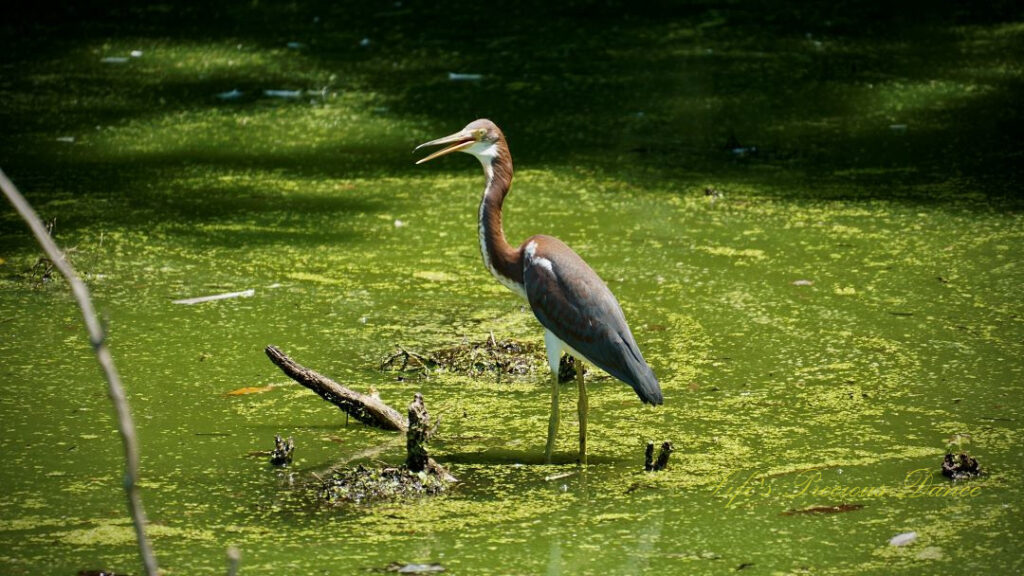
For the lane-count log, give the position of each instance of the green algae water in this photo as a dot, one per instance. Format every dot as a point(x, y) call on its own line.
point(812, 220)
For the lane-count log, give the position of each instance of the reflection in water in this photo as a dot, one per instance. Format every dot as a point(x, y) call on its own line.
point(646, 541)
point(554, 557)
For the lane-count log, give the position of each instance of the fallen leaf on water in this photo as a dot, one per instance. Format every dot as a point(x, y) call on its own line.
point(249, 390)
point(824, 509)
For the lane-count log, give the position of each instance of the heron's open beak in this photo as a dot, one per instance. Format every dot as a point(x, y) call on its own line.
point(458, 141)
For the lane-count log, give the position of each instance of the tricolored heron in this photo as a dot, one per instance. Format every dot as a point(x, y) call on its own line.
point(579, 313)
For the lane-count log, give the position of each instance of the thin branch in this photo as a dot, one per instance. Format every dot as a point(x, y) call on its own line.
point(96, 337)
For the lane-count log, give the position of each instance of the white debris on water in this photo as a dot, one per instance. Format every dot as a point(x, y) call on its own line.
point(230, 95)
point(459, 77)
point(287, 94)
point(903, 539)
point(243, 294)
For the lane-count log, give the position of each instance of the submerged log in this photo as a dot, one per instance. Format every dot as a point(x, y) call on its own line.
point(365, 408)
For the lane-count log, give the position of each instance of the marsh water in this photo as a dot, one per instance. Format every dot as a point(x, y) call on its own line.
point(811, 218)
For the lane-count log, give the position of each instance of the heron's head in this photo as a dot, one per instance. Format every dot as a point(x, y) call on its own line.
point(481, 138)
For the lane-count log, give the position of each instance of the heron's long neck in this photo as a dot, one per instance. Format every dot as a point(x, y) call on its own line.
point(504, 261)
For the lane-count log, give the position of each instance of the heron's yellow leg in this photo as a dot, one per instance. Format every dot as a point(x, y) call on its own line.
point(553, 421)
point(582, 407)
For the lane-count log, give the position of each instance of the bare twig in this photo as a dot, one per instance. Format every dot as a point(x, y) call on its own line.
point(96, 337)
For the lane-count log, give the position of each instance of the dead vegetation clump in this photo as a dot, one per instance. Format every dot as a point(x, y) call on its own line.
point(490, 356)
point(960, 467)
point(361, 485)
point(506, 357)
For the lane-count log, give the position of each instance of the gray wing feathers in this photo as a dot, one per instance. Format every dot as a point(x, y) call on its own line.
point(570, 300)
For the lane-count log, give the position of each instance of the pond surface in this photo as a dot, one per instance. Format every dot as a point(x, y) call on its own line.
point(812, 221)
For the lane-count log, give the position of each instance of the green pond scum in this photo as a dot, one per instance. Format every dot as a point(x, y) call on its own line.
point(810, 212)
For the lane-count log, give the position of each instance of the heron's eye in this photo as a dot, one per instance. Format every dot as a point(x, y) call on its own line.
point(479, 133)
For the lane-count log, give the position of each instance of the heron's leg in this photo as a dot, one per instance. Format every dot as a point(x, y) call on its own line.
point(582, 407)
point(553, 421)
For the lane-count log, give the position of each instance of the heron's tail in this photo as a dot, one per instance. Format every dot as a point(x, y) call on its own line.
point(650, 391)
point(639, 375)
point(647, 387)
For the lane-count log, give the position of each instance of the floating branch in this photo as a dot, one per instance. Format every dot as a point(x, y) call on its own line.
point(367, 409)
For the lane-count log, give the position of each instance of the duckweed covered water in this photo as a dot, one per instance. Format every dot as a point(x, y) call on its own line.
point(842, 302)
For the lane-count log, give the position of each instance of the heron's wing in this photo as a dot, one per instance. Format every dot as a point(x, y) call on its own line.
point(570, 300)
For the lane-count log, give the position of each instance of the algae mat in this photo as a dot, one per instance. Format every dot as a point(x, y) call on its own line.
point(811, 217)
